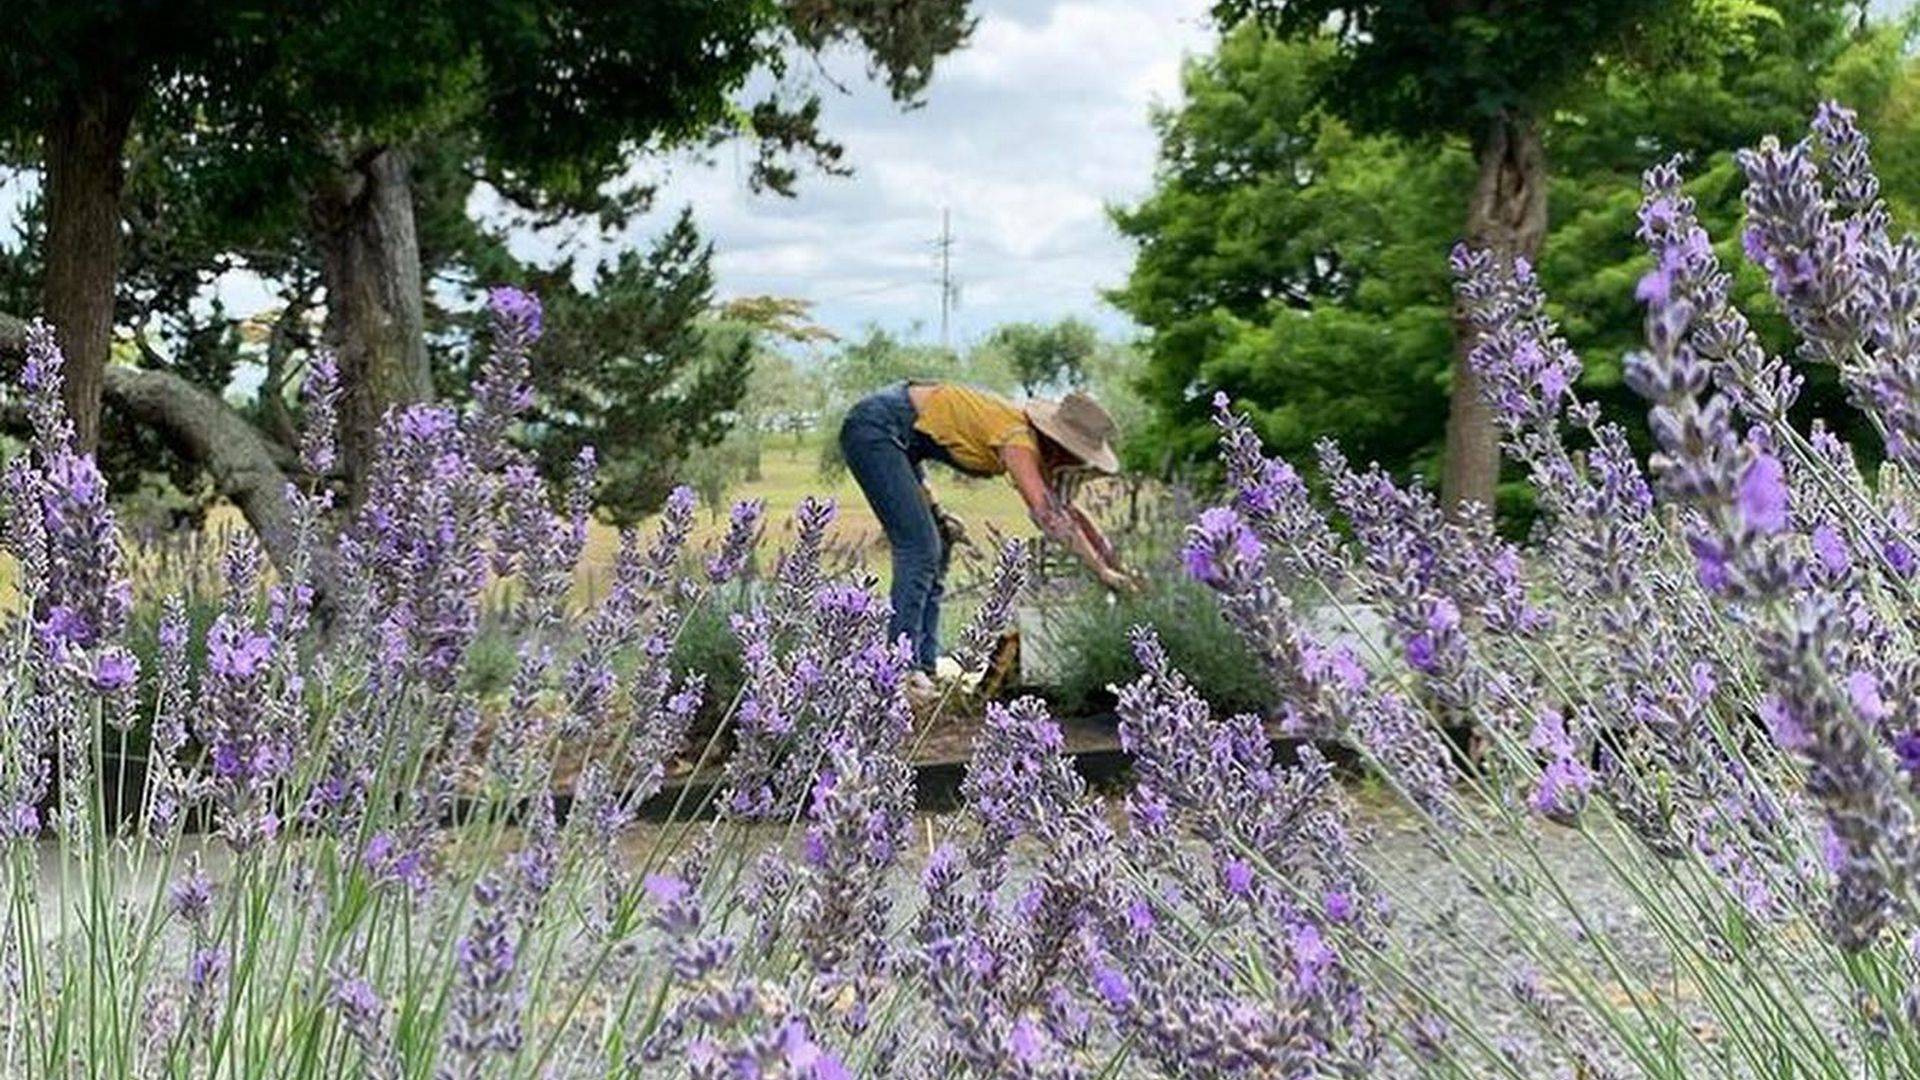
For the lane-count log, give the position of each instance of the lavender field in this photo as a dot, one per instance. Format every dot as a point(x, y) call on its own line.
point(1635, 797)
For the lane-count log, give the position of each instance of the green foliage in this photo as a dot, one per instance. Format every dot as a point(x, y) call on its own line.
point(627, 368)
point(881, 359)
point(1291, 263)
point(1090, 637)
point(878, 360)
point(713, 471)
point(550, 96)
point(1047, 357)
point(708, 647)
point(1300, 266)
point(493, 658)
point(538, 108)
point(1418, 68)
point(781, 397)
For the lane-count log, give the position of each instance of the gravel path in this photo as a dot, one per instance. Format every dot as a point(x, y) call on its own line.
point(1439, 919)
point(1468, 944)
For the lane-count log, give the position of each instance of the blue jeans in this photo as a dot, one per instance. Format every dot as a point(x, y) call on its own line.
point(884, 452)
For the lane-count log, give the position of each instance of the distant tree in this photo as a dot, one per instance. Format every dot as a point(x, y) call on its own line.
point(1493, 73)
point(871, 362)
point(713, 472)
point(879, 359)
point(781, 397)
point(1045, 357)
point(627, 367)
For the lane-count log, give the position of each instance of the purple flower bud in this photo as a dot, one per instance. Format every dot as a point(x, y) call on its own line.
point(1026, 1042)
point(1563, 788)
point(665, 889)
point(1113, 988)
point(237, 653)
point(1863, 689)
point(515, 311)
point(321, 396)
point(1906, 746)
point(1311, 956)
point(191, 897)
point(1899, 555)
point(1786, 729)
point(1831, 550)
point(1339, 906)
point(1238, 876)
point(114, 670)
point(204, 969)
point(1655, 288)
point(1762, 495)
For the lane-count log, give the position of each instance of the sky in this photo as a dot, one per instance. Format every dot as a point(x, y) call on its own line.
point(1026, 136)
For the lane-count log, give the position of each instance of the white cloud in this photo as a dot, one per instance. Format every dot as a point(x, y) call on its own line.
point(1024, 139)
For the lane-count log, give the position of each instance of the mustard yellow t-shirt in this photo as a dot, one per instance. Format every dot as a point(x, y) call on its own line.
point(973, 425)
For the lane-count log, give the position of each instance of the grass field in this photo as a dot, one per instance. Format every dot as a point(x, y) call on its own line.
point(790, 472)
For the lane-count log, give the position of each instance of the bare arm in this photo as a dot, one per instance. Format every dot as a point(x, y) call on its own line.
point(1059, 521)
point(1094, 536)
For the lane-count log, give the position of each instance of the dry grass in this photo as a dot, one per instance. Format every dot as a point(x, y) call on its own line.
point(789, 473)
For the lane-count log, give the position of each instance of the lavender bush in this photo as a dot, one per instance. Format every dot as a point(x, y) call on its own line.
point(1696, 687)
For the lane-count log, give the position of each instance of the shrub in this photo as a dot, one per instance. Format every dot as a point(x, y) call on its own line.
point(1091, 633)
point(708, 648)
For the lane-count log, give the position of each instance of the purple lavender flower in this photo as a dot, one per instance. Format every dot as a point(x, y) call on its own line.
point(320, 393)
point(743, 532)
point(114, 671)
point(405, 861)
point(1216, 540)
point(1237, 876)
point(1762, 495)
point(205, 968)
point(484, 1016)
point(190, 898)
point(516, 312)
point(1741, 497)
point(44, 377)
point(971, 649)
point(1563, 788)
point(249, 742)
point(365, 1018)
point(504, 390)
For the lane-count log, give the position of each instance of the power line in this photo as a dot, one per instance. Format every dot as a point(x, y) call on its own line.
point(949, 292)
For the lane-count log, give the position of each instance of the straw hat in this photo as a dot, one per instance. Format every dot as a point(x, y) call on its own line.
point(1080, 426)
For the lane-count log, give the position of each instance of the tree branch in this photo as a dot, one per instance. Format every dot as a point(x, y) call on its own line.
point(243, 462)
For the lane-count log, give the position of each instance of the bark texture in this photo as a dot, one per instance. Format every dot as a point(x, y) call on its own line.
point(84, 142)
point(244, 464)
point(376, 326)
point(1508, 213)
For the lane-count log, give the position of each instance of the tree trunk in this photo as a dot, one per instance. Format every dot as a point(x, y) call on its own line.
point(84, 140)
point(1508, 214)
point(370, 266)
